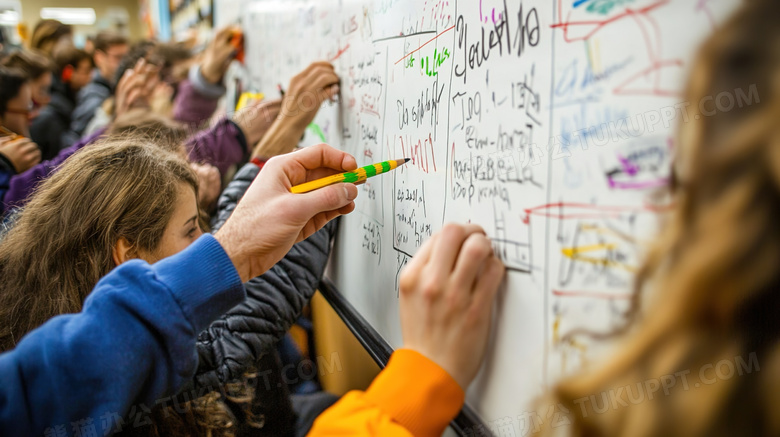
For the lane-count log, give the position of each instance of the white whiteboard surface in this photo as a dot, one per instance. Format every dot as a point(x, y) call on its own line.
point(548, 122)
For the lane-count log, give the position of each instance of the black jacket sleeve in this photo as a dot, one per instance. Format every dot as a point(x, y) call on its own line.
point(274, 301)
point(47, 131)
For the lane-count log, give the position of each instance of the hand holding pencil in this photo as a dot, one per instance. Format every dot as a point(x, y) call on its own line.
point(353, 177)
point(284, 218)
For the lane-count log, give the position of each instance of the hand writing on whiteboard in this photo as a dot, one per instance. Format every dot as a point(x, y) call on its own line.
point(307, 90)
point(447, 293)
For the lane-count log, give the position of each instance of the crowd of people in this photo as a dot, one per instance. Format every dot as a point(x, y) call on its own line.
point(153, 259)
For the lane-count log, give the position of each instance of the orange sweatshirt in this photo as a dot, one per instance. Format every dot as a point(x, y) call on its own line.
point(412, 396)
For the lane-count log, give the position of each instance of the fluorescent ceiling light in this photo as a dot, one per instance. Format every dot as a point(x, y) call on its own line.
point(70, 15)
point(9, 18)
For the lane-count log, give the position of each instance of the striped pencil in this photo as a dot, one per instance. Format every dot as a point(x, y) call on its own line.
point(354, 177)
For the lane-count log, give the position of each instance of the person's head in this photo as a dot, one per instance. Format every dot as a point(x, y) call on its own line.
point(174, 60)
point(15, 100)
point(139, 50)
point(110, 48)
point(51, 35)
point(74, 67)
point(142, 123)
point(39, 69)
point(119, 199)
point(714, 268)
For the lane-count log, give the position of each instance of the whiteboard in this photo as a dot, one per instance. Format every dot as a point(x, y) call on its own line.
point(548, 122)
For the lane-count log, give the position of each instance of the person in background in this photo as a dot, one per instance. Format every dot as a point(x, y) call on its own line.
point(51, 128)
point(49, 36)
point(175, 61)
point(17, 153)
point(39, 69)
point(89, 45)
point(110, 49)
point(197, 96)
point(107, 111)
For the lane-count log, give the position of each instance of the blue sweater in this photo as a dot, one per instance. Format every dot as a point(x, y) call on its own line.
point(133, 342)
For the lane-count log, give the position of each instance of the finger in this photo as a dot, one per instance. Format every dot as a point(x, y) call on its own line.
point(325, 90)
point(319, 173)
point(35, 159)
point(423, 255)
point(475, 251)
point(19, 142)
point(324, 217)
point(122, 84)
point(315, 157)
point(452, 238)
point(29, 147)
point(226, 33)
point(139, 65)
point(321, 219)
point(132, 97)
point(330, 198)
point(487, 284)
point(322, 80)
point(313, 66)
point(332, 91)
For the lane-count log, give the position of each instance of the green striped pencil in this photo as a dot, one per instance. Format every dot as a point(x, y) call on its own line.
point(354, 177)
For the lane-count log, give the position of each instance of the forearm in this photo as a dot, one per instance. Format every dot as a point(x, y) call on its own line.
point(133, 342)
point(281, 138)
point(222, 146)
point(196, 99)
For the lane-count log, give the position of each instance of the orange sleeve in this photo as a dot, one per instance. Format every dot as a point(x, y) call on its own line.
point(412, 396)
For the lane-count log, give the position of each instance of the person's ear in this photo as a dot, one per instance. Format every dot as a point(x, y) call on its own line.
point(123, 251)
point(98, 57)
point(67, 73)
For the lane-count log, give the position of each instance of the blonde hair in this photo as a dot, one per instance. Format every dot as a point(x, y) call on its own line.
point(715, 266)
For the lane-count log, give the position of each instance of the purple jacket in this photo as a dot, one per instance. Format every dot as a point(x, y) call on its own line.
point(23, 185)
point(222, 145)
point(196, 99)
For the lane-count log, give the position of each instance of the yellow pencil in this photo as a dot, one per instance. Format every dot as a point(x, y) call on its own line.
point(354, 177)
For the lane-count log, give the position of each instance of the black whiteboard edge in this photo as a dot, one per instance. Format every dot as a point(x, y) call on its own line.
point(467, 423)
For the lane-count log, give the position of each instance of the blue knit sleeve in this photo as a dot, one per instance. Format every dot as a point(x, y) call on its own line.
point(134, 342)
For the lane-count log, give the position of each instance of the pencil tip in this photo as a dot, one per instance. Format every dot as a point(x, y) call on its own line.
point(407, 159)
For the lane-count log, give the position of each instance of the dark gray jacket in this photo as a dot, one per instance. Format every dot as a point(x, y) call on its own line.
point(244, 339)
point(51, 128)
point(89, 100)
point(274, 300)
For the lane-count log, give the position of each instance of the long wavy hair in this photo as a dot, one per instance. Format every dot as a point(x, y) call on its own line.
point(714, 269)
point(60, 244)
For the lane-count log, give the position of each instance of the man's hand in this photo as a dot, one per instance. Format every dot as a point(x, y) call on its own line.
point(218, 55)
point(22, 152)
point(447, 292)
point(255, 120)
point(136, 86)
point(209, 185)
point(308, 89)
point(269, 219)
